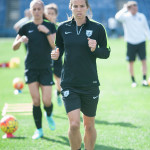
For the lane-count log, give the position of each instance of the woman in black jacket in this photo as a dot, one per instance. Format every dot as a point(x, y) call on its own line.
point(82, 41)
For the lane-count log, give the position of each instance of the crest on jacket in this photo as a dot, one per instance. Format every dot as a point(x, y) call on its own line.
point(89, 33)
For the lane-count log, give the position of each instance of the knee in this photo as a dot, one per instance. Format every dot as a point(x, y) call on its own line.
point(36, 103)
point(46, 101)
point(89, 127)
point(74, 126)
point(36, 100)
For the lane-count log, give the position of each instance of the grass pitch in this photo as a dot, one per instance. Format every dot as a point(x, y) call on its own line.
point(123, 113)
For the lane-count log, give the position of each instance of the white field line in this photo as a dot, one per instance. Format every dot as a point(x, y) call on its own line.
point(4, 109)
point(17, 108)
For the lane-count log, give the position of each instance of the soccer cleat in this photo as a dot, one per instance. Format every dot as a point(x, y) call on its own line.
point(51, 122)
point(38, 134)
point(59, 101)
point(133, 84)
point(144, 83)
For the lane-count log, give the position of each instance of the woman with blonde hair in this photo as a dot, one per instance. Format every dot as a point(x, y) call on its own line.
point(39, 35)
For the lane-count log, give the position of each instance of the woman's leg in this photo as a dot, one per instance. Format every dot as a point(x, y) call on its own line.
point(37, 113)
point(58, 87)
point(74, 129)
point(48, 106)
point(90, 132)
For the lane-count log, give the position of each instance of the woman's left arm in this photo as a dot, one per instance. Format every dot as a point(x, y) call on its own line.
point(50, 36)
point(102, 49)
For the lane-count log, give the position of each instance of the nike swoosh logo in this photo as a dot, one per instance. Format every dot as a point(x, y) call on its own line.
point(30, 31)
point(68, 32)
point(95, 97)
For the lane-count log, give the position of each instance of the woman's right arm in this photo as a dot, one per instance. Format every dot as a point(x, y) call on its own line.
point(19, 39)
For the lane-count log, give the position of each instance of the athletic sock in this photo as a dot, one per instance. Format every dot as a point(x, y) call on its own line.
point(58, 93)
point(144, 77)
point(132, 78)
point(37, 115)
point(49, 109)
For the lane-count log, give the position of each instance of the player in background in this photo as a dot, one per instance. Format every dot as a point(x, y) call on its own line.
point(26, 19)
point(82, 41)
point(23, 21)
point(136, 31)
point(51, 13)
point(39, 35)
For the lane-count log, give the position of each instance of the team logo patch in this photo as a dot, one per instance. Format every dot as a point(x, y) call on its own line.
point(51, 83)
point(66, 93)
point(89, 33)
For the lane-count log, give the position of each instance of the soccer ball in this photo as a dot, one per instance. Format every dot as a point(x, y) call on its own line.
point(14, 62)
point(9, 124)
point(18, 83)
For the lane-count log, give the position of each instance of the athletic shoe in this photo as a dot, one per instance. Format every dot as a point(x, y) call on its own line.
point(51, 122)
point(144, 83)
point(133, 84)
point(38, 134)
point(59, 101)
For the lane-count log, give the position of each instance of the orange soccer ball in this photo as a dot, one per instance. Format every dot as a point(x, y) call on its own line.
point(18, 84)
point(8, 124)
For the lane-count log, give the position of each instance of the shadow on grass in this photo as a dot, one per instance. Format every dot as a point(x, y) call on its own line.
point(64, 142)
point(19, 138)
point(60, 117)
point(102, 147)
point(123, 124)
point(97, 146)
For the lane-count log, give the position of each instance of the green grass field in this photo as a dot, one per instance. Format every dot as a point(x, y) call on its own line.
point(123, 115)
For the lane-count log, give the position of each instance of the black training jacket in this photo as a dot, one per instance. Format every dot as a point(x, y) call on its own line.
point(38, 47)
point(80, 68)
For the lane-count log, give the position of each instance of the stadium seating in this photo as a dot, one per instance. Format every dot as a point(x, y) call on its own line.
point(102, 10)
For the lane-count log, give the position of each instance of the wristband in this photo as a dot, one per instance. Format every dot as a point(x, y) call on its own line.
point(48, 33)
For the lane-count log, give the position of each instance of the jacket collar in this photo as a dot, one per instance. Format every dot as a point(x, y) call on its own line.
point(74, 22)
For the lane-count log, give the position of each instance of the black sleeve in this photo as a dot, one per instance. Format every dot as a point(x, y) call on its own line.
point(52, 28)
point(102, 50)
point(59, 42)
point(21, 31)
